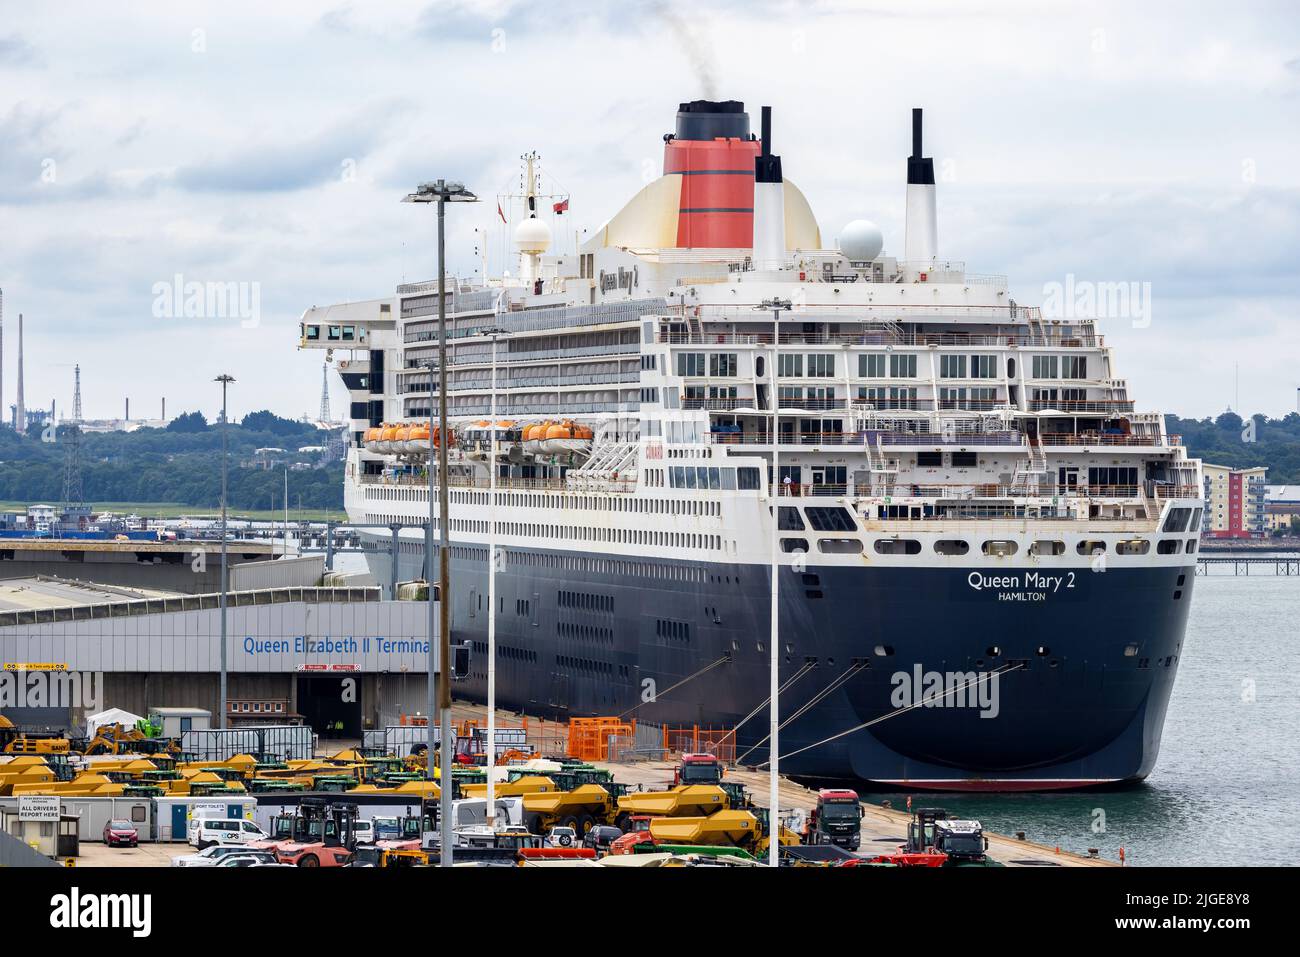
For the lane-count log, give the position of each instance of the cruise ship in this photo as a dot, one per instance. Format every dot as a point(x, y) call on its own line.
point(985, 550)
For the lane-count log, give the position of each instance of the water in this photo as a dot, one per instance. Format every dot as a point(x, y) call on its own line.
point(1224, 788)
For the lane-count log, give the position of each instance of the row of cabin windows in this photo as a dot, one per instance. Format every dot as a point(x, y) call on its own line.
point(878, 365)
point(992, 547)
point(658, 506)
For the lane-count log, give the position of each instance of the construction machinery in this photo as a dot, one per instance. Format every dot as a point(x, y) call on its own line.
point(323, 834)
point(594, 801)
point(515, 786)
point(14, 741)
point(837, 819)
point(960, 843)
point(685, 800)
point(746, 829)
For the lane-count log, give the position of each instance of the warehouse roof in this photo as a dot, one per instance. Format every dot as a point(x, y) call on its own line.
point(44, 591)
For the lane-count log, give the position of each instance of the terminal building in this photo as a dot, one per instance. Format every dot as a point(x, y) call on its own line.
point(340, 659)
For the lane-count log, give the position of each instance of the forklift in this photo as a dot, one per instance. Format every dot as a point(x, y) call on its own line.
point(963, 843)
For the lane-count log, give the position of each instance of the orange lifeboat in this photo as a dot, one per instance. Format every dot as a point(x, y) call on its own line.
point(386, 437)
point(371, 437)
point(400, 439)
point(533, 435)
point(417, 438)
point(566, 436)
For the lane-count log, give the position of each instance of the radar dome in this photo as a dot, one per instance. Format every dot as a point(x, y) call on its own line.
point(532, 237)
point(861, 241)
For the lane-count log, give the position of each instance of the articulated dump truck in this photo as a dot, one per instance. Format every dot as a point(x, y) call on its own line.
point(744, 829)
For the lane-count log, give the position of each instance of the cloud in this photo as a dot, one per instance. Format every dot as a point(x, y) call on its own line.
point(290, 165)
point(1118, 155)
point(15, 51)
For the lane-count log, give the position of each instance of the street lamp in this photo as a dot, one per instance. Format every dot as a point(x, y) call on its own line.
point(495, 333)
point(442, 193)
point(225, 381)
point(777, 306)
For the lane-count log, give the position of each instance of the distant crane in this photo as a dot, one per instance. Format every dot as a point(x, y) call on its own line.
point(325, 392)
point(72, 490)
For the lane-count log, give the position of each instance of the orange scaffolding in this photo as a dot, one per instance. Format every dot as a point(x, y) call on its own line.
point(693, 739)
point(589, 737)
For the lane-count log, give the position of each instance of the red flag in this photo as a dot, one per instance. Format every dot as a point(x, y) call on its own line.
point(501, 214)
point(562, 206)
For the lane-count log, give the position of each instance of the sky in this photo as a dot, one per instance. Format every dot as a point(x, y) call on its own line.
point(266, 146)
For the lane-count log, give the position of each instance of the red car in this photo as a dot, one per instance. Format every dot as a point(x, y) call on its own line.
point(121, 834)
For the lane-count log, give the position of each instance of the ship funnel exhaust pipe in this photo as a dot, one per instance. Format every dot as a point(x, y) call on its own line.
point(769, 203)
point(921, 244)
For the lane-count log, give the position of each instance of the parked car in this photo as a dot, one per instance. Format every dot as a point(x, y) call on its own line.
point(121, 834)
point(250, 859)
point(205, 831)
point(210, 856)
point(600, 837)
point(562, 837)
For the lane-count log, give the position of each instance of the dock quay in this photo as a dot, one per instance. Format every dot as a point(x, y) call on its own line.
point(883, 828)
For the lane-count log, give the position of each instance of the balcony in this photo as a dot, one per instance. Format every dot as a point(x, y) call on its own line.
point(733, 404)
point(1094, 439)
point(1098, 406)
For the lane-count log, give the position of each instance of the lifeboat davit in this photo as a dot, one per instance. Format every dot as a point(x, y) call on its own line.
point(564, 437)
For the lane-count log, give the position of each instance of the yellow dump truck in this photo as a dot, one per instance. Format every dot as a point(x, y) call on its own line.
point(24, 769)
point(742, 829)
point(685, 800)
point(519, 787)
point(580, 808)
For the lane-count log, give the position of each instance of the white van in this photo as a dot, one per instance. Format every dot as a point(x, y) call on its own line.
point(206, 831)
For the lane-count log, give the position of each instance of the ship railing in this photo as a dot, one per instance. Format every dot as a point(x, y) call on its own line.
point(1101, 406)
point(1097, 438)
point(886, 312)
point(952, 438)
point(1160, 490)
point(873, 436)
point(417, 480)
point(881, 337)
point(973, 405)
point(734, 403)
point(795, 438)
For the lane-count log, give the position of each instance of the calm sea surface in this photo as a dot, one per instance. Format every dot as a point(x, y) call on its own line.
point(1227, 783)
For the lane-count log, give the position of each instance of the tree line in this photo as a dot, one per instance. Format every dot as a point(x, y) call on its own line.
point(180, 464)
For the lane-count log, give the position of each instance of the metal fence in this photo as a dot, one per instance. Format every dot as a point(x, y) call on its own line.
point(284, 742)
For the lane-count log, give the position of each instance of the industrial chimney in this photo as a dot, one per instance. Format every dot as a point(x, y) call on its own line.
point(921, 244)
point(20, 410)
point(769, 203)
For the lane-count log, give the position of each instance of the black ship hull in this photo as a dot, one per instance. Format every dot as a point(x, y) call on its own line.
point(1017, 678)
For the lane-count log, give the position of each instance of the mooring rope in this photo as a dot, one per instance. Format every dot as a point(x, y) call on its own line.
point(808, 666)
point(692, 677)
point(895, 713)
point(810, 703)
